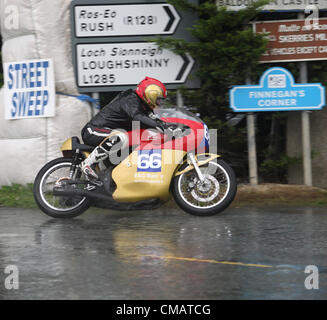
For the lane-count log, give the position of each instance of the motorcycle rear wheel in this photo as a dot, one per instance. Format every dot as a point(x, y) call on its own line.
point(208, 198)
point(54, 206)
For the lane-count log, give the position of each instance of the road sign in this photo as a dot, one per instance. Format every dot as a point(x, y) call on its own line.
point(277, 91)
point(115, 64)
point(125, 20)
point(294, 40)
point(112, 47)
point(275, 5)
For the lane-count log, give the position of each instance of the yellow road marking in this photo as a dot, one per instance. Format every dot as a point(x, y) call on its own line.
point(206, 261)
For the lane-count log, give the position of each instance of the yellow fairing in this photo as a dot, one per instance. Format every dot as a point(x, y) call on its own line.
point(201, 159)
point(67, 145)
point(135, 183)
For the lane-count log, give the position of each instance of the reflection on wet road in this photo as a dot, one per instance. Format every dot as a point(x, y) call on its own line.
point(243, 253)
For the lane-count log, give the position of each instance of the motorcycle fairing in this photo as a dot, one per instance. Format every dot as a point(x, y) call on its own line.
point(134, 184)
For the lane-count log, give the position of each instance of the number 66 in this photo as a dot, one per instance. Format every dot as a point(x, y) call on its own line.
point(146, 161)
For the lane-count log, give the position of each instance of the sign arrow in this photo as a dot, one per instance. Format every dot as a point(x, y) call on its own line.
point(187, 61)
point(118, 64)
point(125, 20)
point(171, 18)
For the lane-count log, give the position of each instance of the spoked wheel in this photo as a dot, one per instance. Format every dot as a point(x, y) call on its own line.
point(55, 173)
point(209, 197)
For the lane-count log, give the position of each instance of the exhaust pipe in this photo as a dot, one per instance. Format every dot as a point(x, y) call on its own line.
point(106, 201)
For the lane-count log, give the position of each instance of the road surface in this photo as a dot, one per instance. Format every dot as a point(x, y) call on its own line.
point(243, 253)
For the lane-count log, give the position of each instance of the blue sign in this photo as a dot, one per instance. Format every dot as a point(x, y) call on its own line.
point(277, 91)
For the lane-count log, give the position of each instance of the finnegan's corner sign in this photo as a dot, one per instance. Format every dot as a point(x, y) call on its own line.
point(277, 91)
point(275, 5)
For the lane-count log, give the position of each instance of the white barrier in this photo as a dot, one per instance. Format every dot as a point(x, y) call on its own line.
point(38, 30)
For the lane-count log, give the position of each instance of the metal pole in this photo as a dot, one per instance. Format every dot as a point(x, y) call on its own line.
point(252, 150)
point(306, 143)
point(180, 102)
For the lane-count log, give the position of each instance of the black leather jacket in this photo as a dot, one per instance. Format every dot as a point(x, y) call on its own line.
point(125, 108)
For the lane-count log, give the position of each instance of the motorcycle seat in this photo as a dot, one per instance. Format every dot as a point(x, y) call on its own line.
point(76, 144)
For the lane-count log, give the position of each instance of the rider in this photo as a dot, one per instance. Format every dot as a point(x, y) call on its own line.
point(128, 106)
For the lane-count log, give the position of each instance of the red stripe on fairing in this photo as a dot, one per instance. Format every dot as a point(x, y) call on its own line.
point(188, 143)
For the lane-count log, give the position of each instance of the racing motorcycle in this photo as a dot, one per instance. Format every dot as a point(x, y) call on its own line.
point(154, 167)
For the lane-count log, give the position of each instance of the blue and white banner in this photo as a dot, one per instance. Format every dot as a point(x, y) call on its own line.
point(29, 89)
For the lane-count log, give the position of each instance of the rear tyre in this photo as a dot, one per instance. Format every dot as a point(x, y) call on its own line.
point(208, 198)
point(55, 172)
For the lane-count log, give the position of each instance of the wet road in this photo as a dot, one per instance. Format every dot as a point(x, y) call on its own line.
point(243, 253)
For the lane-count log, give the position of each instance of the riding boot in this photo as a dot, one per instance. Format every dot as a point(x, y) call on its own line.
point(101, 152)
point(97, 155)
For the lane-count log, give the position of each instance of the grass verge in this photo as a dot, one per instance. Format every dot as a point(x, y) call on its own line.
point(21, 196)
point(270, 194)
point(17, 196)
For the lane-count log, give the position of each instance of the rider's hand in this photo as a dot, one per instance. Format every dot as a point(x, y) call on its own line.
point(175, 131)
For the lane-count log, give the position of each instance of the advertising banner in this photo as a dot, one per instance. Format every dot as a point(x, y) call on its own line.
point(29, 89)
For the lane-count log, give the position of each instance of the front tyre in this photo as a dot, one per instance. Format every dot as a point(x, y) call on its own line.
point(52, 173)
point(210, 197)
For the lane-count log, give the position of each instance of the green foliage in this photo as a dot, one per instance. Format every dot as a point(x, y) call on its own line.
point(226, 51)
point(275, 170)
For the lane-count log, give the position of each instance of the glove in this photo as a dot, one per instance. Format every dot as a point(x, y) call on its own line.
point(175, 131)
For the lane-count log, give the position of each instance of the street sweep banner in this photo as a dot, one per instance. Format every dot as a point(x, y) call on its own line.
point(29, 89)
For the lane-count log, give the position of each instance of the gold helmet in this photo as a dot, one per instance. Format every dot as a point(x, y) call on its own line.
point(151, 91)
point(153, 94)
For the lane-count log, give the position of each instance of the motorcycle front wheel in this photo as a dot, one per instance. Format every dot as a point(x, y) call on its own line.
point(54, 173)
point(210, 197)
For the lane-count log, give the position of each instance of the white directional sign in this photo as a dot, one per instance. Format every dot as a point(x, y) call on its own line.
point(116, 64)
point(125, 20)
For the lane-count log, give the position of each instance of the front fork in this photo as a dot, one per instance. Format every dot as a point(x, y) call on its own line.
point(196, 167)
point(195, 162)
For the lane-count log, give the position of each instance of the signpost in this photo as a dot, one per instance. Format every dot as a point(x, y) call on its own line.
point(293, 40)
point(125, 63)
point(125, 20)
point(277, 91)
point(112, 48)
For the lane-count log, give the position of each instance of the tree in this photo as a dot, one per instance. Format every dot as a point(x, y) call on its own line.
point(226, 52)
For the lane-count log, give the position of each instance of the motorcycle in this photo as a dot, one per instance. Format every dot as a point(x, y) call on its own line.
point(154, 168)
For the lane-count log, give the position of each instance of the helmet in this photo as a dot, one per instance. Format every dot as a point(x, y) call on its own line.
point(151, 90)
